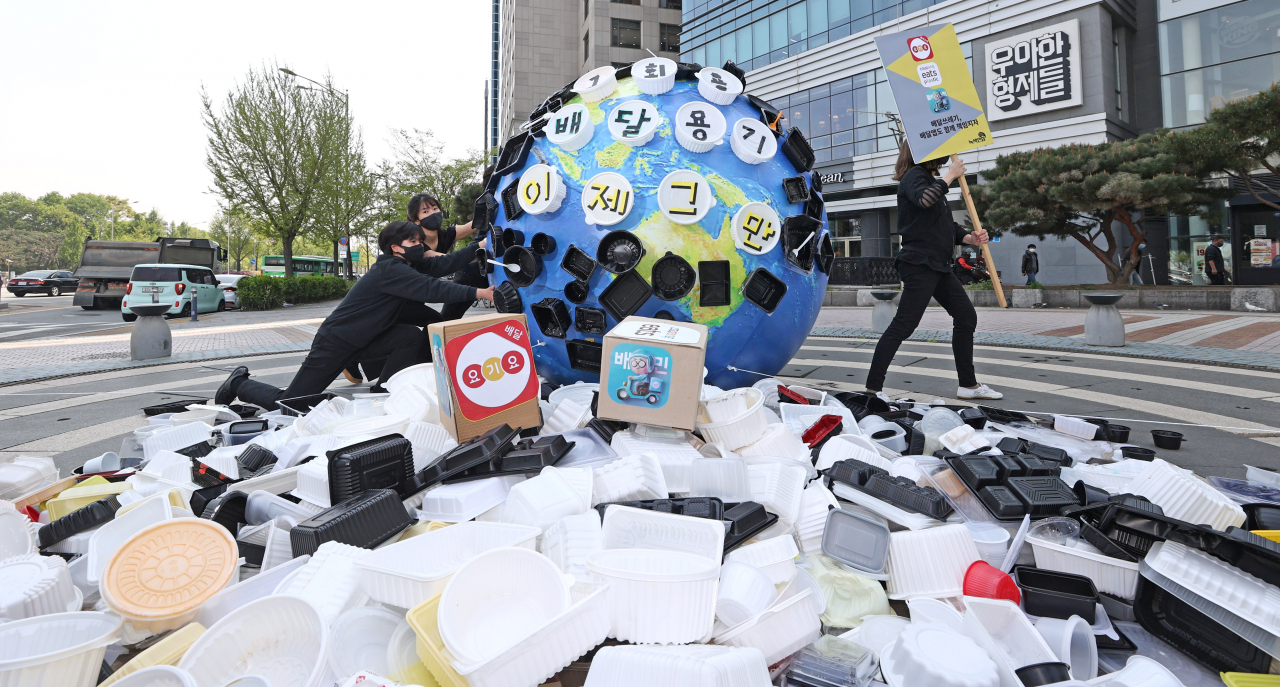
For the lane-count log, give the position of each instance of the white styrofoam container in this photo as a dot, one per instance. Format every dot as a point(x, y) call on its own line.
point(658, 597)
point(429, 442)
point(930, 562)
point(63, 649)
point(780, 489)
point(543, 500)
point(547, 649)
point(283, 638)
point(174, 438)
point(1186, 497)
point(777, 441)
point(694, 664)
point(313, 482)
point(781, 630)
point(1075, 427)
point(32, 585)
point(1110, 575)
point(775, 557)
point(330, 580)
point(465, 500)
point(407, 573)
point(815, 501)
point(635, 528)
point(631, 478)
point(731, 404)
point(18, 535)
point(739, 430)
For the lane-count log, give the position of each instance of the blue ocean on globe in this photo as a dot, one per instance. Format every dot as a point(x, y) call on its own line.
point(742, 335)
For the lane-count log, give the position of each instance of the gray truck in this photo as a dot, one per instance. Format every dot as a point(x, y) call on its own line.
point(105, 266)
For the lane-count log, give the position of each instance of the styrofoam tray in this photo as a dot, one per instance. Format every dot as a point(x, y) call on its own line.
point(635, 528)
point(781, 630)
point(1110, 575)
point(409, 572)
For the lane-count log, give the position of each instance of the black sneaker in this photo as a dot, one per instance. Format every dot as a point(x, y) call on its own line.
point(227, 392)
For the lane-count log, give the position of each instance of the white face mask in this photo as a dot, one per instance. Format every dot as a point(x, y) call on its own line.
point(1031, 250)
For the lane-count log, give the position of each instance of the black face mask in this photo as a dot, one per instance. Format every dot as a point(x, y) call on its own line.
point(431, 222)
point(415, 254)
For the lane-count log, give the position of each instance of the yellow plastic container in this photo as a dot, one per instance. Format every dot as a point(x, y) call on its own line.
point(1273, 535)
point(159, 578)
point(416, 674)
point(175, 499)
point(166, 652)
point(75, 498)
point(422, 528)
point(423, 619)
point(38, 497)
point(1250, 679)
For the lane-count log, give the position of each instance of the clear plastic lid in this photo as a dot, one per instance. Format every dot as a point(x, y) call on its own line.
point(836, 662)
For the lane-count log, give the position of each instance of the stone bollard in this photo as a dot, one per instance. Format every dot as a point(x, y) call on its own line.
point(884, 310)
point(151, 337)
point(1103, 325)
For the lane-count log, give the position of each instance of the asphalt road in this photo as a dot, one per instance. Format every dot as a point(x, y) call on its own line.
point(78, 418)
point(38, 317)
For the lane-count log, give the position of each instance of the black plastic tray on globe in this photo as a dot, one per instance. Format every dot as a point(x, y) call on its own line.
point(490, 446)
point(382, 463)
point(625, 295)
point(528, 457)
point(1011, 487)
point(741, 520)
point(899, 491)
point(1195, 634)
point(297, 407)
point(506, 299)
point(1054, 594)
point(553, 317)
point(84, 518)
point(367, 521)
point(764, 289)
point(584, 356)
point(589, 320)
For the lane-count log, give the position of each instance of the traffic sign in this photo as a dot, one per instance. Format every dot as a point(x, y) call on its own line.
point(342, 241)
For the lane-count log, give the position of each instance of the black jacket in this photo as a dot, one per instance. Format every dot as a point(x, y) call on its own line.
point(1213, 254)
point(373, 303)
point(1030, 262)
point(929, 235)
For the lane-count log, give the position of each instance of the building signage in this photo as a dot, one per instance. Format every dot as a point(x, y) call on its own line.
point(1034, 72)
point(833, 178)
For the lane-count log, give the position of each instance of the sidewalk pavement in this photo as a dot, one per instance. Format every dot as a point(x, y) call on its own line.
point(1245, 340)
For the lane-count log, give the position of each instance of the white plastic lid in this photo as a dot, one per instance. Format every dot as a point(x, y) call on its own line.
point(752, 141)
point(756, 229)
point(685, 197)
point(596, 84)
point(654, 75)
point(718, 86)
point(570, 127)
point(699, 126)
point(607, 199)
point(634, 122)
point(541, 189)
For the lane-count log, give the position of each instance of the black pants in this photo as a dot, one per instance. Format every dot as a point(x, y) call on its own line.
point(467, 276)
point(401, 346)
point(919, 283)
point(1219, 279)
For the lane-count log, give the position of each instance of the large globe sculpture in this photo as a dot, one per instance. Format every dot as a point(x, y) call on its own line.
point(660, 191)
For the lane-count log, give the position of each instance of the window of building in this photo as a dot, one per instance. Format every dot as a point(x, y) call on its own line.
point(586, 8)
point(586, 46)
point(625, 2)
point(843, 118)
point(625, 34)
point(671, 4)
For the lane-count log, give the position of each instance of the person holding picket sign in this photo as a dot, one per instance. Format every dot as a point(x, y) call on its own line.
point(929, 237)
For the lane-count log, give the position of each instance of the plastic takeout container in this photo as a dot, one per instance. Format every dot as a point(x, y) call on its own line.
point(658, 597)
point(930, 562)
point(775, 557)
point(1004, 631)
point(625, 527)
point(359, 641)
point(63, 649)
point(694, 664)
point(281, 638)
point(784, 628)
point(939, 656)
point(857, 541)
point(744, 592)
point(1184, 496)
point(742, 420)
point(34, 586)
point(1073, 642)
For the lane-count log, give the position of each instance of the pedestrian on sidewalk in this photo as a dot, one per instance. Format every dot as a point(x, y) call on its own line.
point(929, 237)
point(1030, 264)
point(1215, 268)
point(367, 321)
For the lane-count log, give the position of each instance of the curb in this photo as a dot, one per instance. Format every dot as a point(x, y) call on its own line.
point(29, 375)
point(1219, 357)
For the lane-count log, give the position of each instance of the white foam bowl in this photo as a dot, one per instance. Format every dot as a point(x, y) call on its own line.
point(495, 598)
point(658, 597)
point(360, 639)
point(63, 649)
point(423, 375)
point(735, 431)
point(282, 638)
point(745, 591)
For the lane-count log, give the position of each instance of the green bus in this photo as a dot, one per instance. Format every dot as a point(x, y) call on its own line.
point(303, 266)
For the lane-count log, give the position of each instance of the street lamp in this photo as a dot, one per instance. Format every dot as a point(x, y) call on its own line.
point(346, 112)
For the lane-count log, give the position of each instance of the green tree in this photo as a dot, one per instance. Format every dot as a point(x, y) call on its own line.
point(1082, 191)
point(230, 228)
point(271, 146)
point(39, 234)
point(464, 203)
point(419, 165)
point(1237, 139)
point(348, 194)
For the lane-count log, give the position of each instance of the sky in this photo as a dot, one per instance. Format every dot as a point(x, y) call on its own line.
point(104, 97)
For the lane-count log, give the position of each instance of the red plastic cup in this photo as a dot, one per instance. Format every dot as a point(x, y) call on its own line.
point(986, 581)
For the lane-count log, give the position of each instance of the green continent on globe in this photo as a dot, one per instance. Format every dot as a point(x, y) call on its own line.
point(642, 163)
point(614, 155)
point(568, 164)
point(727, 191)
point(695, 245)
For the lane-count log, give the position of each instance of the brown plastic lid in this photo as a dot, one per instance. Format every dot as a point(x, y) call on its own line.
point(169, 568)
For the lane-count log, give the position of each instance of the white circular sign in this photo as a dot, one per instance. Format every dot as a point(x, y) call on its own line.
point(541, 190)
point(607, 199)
point(492, 371)
point(634, 122)
point(570, 127)
point(699, 126)
point(685, 197)
point(654, 75)
point(756, 228)
point(596, 84)
point(752, 141)
point(718, 86)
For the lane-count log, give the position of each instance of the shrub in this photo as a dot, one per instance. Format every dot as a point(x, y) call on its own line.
point(1035, 285)
point(265, 293)
point(981, 286)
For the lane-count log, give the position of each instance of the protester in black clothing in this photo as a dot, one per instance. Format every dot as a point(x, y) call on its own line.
point(929, 237)
point(1214, 266)
point(1030, 264)
point(366, 321)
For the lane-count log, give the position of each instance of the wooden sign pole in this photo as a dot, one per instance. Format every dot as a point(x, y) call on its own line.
point(977, 226)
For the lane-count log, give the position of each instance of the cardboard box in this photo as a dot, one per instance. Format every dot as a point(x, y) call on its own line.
point(651, 372)
point(484, 374)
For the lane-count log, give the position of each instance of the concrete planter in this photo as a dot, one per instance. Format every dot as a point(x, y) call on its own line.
point(983, 299)
point(1026, 298)
point(1255, 300)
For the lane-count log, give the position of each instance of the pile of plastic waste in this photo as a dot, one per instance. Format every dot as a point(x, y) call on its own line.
point(797, 537)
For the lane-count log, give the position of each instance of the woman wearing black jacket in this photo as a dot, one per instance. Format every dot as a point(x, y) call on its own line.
point(929, 237)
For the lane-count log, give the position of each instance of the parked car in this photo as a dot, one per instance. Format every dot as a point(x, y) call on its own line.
point(51, 282)
point(154, 284)
point(228, 283)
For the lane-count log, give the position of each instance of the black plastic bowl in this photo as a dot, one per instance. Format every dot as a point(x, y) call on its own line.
point(1118, 434)
point(1166, 439)
point(1043, 674)
point(1137, 453)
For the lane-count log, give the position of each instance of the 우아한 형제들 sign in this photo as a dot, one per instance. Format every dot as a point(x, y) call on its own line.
point(1034, 72)
point(940, 110)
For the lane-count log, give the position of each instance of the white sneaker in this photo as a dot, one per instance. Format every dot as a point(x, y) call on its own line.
point(881, 395)
point(982, 392)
